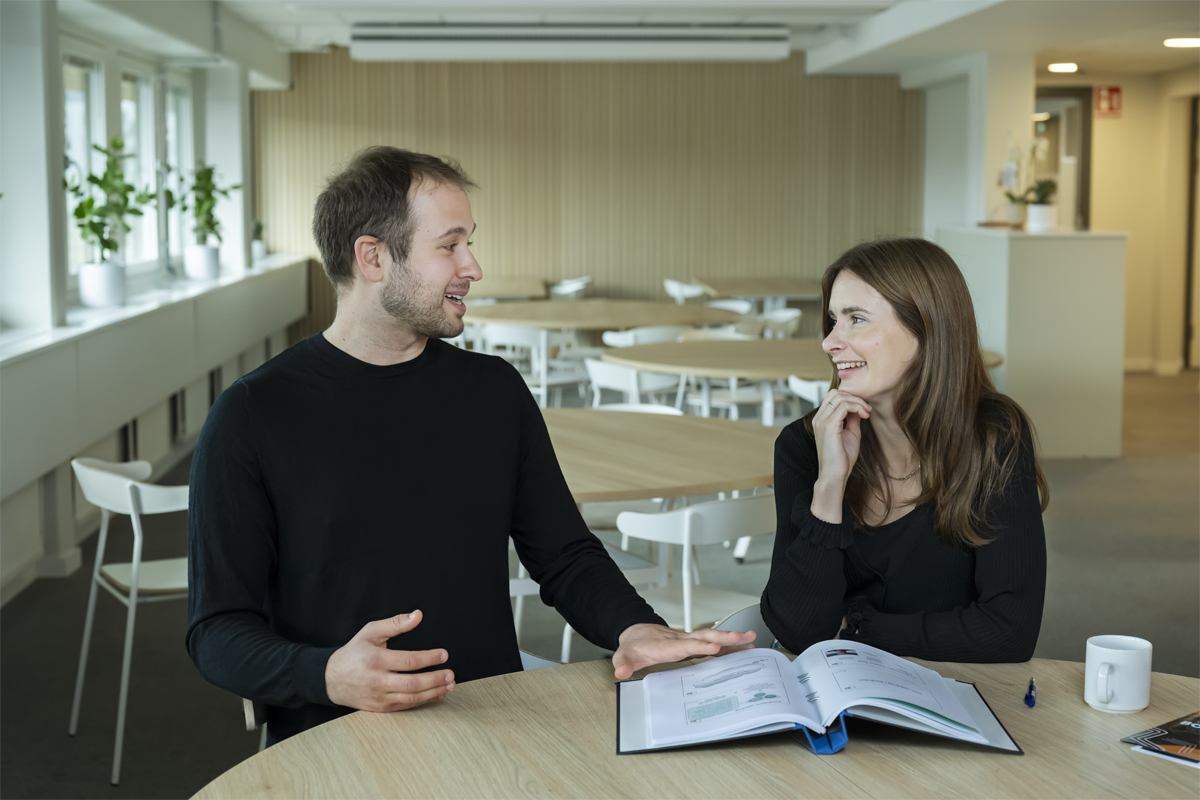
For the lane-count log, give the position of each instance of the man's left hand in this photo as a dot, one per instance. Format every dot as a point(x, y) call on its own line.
point(644, 645)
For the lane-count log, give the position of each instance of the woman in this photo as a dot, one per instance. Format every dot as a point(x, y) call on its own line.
point(908, 501)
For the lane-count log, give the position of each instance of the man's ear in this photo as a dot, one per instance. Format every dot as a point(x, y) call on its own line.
point(370, 257)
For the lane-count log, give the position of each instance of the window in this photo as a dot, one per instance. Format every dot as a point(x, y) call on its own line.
point(83, 98)
point(179, 163)
point(137, 129)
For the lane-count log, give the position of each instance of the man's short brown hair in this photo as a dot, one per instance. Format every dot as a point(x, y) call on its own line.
point(370, 197)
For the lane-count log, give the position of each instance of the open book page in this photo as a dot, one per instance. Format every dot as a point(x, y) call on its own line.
point(837, 675)
point(739, 692)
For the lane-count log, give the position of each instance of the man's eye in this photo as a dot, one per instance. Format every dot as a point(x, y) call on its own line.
point(470, 244)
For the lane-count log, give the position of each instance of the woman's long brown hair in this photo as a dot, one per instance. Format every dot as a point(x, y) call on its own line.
point(942, 401)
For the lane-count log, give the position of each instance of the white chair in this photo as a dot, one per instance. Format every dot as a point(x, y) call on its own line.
point(682, 292)
point(571, 288)
point(728, 399)
point(530, 661)
point(781, 324)
point(648, 335)
point(683, 605)
point(742, 307)
point(812, 391)
point(627, 380)
point(748, 619)
point(121, 489)
point(541, 377)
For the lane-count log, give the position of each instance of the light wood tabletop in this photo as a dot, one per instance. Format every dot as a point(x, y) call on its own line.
point(597, 314)
point(614, 455)
point(509, 288)
point(552, 733)
point(763, 360)
point(776, 286)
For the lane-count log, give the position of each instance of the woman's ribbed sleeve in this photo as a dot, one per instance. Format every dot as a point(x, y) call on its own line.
point(803, 601)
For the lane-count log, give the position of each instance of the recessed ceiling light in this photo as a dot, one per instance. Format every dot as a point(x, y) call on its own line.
point(1063, 67)
point(1182, 42)
point(1041, 116)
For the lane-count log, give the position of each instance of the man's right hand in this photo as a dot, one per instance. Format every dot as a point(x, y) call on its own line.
point(366, 675)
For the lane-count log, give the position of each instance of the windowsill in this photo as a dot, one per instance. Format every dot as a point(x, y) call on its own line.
point(146, 296)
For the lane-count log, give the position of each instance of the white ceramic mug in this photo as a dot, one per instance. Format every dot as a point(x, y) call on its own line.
point(1117, 674)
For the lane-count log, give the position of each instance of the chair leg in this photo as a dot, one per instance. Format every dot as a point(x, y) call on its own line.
point(124, 696)
point(262, 738)
point(743, 547)
point(565, 655)
point(87, 623)
point(519, 605)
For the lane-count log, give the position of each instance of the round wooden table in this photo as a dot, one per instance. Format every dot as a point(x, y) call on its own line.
point(596, 314)
point(551, 733)
point(613, 455)
point(774, 291)
point(509, 288)
point(764, 360)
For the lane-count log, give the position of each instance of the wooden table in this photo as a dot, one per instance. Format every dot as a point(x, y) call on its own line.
point(611, 455)
point(774, 291)
point(551, 733)
point(763, 360)
point(509, 289)
point(596, 314)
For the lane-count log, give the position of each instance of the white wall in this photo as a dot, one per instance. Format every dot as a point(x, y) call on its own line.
point(946, 154)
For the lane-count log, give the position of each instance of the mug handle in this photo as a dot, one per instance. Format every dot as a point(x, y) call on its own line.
point(1103, 691)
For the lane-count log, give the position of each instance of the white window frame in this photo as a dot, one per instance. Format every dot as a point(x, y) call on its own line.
point(176, 80)
point(144, 71)
point(114, 62)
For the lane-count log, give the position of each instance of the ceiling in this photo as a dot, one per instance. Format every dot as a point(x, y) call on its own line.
point(844, 36)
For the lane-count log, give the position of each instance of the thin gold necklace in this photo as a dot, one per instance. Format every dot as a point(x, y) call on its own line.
point(909, 475)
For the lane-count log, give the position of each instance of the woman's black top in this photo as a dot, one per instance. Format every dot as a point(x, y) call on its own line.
point(901, 587)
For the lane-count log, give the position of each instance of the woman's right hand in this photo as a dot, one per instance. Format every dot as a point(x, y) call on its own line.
point(836, 426)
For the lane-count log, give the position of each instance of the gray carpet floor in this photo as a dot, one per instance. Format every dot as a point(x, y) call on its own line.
point(1124, 557)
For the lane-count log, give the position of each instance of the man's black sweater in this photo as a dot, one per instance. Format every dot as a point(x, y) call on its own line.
point(327, 493)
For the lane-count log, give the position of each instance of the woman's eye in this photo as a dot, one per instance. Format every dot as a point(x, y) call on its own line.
point(858, 319)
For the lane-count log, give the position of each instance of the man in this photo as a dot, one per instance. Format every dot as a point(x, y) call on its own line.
point(352, 499)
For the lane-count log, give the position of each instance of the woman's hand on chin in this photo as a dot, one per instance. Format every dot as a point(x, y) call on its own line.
point(838, 436)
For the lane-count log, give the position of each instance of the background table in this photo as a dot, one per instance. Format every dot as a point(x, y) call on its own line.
point(612, 455)
point(552, 733)
point(509, 288)
point(764, 360)
point(774, 291)
point(596, 314)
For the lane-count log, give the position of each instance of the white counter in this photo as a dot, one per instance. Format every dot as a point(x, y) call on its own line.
point(1054, 306)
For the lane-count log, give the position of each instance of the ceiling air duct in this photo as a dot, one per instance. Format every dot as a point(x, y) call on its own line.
point(384, 41)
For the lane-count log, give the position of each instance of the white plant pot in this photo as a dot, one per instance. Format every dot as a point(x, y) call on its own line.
point(1041, 218)
point(1016, 215)
point(200, 262)
point(102, 285)
point(258, 249)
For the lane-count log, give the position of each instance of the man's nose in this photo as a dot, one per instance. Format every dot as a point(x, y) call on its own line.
point(471, 270)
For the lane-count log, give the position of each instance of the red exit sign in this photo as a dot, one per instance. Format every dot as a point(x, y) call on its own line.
point(1107, 102)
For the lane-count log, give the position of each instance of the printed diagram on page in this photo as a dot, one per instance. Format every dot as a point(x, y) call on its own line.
point(866, 674)
point(715, 693)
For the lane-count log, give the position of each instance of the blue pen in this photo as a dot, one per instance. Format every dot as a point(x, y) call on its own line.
point(1031, 695)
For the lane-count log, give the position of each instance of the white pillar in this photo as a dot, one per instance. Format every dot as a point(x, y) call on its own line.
point(227, 145)
point(33, 258)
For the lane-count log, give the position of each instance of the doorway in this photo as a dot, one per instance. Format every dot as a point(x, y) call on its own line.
point(1191, 325)
point(1064, 119)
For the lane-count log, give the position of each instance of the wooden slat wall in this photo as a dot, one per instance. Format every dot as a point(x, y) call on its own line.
point(630, 173)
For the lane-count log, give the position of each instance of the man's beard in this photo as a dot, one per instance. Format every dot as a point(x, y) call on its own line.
point(403, 299)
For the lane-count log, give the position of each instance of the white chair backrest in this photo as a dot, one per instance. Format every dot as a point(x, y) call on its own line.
point(571, 288)
point(642, 408)
point(705, 523)
point(683, 291)
point(117, 487)
point(512, 336)
point(812, 391)
point(611, 376)
point(715, 333)
point(748, 619)
point(736, 306)
point(648, 335)
point(781, 323)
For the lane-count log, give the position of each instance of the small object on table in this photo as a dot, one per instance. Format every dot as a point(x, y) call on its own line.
point(1177, 740)
point(1031, 695)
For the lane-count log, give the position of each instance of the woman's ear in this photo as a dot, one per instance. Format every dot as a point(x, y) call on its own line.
point(370, 258)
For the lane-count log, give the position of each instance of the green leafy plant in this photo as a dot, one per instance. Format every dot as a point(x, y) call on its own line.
point(106, 200)
point(256, 230)
point(204, 203)
point(1041, 193)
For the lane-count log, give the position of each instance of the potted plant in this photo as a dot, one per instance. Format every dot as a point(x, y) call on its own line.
point(103, 225)
point(200, 260)
point(258, 248)
point(1041, 216)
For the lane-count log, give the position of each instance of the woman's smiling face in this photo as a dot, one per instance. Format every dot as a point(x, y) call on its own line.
point(869, 346)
